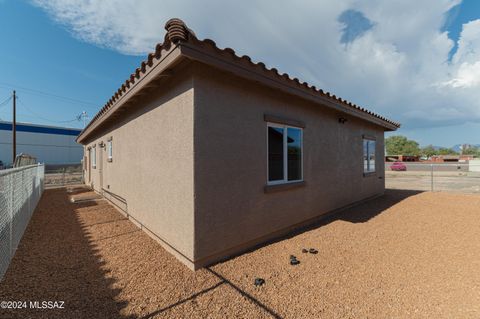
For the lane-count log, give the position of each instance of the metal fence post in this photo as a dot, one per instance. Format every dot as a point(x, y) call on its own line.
point(431, 177)
point(11, 215)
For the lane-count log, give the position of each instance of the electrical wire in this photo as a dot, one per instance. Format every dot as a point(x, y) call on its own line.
point(41, 117)
point(5, 101)
point(43, 93)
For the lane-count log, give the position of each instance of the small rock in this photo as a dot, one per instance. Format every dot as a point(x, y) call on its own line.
point(294, 262)
point(304, 251)
point(259, 282)
point(313, 251)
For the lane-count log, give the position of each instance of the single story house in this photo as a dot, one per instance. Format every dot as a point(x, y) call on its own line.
point(402, 158)
point(451, 158)
point(213, 154)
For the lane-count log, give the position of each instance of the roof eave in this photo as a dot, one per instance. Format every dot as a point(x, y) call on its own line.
point(168, 61)
point(193, 52)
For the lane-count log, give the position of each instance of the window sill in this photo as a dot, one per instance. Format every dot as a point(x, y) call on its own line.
point(282, 187)
point(367, 174)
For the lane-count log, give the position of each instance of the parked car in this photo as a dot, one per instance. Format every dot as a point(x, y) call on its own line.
point(398, 166)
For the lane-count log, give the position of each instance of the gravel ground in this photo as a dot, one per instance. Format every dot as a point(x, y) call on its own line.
point(404, 255)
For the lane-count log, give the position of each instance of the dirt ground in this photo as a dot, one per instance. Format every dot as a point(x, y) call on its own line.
point(56, 179)
point(404, 255)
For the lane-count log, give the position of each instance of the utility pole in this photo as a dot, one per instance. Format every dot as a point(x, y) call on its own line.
point(14, 127)
point(83, 116)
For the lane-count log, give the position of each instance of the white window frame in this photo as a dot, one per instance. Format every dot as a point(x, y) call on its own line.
point(368, 170)
point(285, 154)
point(109, 150)
point(94, 156)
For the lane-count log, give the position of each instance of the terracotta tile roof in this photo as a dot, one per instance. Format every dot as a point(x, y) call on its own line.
point(179, 34)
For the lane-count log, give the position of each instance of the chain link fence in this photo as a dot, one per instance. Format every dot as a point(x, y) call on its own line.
point(447, 177)
point(20, 191)
point(63, 175)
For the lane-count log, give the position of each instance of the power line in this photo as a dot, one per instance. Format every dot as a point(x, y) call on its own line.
point(5, 101)
point(41, 117)
point(22, 115)
point(52, 95)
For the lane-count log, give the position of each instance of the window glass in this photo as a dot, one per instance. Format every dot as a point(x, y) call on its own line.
point(284, 153)
point(371, 156)
point(275, 153)
point(368, 156)
point(109, 149)
point(94, 157)
point(365, 155)
point(294, 145)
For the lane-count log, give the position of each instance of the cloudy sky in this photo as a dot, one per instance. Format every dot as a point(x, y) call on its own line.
point(416, 62)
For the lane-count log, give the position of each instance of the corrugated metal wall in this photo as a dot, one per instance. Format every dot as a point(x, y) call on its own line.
point(49, 148)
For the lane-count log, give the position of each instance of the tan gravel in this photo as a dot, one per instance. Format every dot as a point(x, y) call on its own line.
point(404, 255)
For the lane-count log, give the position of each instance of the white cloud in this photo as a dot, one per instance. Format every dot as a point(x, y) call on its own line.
point(467, 76)
point(398, 68)
point(469, 43)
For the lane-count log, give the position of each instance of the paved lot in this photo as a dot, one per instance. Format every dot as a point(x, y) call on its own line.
point(404, 255)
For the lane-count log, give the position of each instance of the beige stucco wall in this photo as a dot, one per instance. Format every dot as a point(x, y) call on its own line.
point(231, 206)
point(152, 165)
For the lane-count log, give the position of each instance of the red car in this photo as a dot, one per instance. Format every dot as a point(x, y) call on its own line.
point(398, 166)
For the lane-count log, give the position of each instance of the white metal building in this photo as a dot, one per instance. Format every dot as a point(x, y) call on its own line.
point(49, 144)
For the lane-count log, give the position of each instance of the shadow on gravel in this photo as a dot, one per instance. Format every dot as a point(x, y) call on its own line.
point(223, 281)
point(244, 294)
point(363, 212)
point(56, 261)
point(358, 213)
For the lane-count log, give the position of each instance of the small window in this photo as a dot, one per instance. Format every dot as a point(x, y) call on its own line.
point(285, 147)
point(368, 155)
point(94, 157)
point(109, 150)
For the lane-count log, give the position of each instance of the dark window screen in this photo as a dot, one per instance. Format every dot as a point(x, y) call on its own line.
point(294, 145)
point(275, 153)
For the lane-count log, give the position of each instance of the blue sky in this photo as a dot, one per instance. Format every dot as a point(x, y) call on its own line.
point(37, 54)
point(415, 63)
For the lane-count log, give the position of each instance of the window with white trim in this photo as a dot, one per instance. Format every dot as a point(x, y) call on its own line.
point(285, 153)
point(109, 150)
point(368, 155)
point(94, 157)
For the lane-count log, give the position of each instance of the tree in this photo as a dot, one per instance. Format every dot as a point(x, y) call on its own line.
point(400, 145)
point(428, 151)
point(471, 151)
point(446, 151)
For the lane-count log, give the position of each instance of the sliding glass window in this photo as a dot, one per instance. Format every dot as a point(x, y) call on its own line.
point(285, 152)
